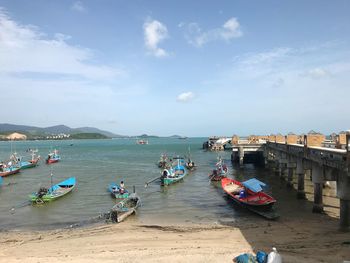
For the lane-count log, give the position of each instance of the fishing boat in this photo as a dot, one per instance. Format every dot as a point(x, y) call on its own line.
point(125, 208)
point(54, 192)
point(142, 142)
point(33, 162)
point(190, 163)
point(219, 172)
point(9, 169)
point(175, 173)
point(53, 157)
point(163, 160)
point(117, 192)
point(249, 193)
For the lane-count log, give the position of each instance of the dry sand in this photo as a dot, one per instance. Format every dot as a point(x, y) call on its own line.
point(311, 239)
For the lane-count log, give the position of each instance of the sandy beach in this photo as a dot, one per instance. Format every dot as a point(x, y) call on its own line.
point(299, 237)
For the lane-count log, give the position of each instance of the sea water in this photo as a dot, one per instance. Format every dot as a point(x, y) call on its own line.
point(96, 163)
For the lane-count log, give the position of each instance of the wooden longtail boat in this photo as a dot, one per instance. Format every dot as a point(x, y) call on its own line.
point(125, 208)
point(6, 171)
point(33, 162)
point(219, 172)
point(248, 193)
point(116, 191)
point(53, 157)
point(173, 174)
point(54, 192)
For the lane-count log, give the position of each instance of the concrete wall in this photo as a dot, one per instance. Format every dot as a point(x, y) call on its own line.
point(315, 139)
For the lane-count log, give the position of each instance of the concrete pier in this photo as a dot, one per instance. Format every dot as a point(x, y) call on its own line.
point(307, 157)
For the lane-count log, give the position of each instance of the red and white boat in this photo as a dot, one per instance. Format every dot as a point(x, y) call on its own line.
point(8, 170)
point(248, 193)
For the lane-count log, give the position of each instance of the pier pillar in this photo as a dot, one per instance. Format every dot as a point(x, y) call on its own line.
point(301, 179)
point(283, 166)
point(343, 192)
point(290, 167)
point(290, 177)
point(241, 156)
point(317, 179)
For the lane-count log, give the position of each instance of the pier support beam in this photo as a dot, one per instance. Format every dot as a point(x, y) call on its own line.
point(343, 192)
point(290, 168)
point(241, 156)
point(283, 166)
point(317, 179)
point(301, 179)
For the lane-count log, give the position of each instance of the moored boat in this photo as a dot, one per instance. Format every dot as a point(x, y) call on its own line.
point(6, 170)
point(190, 165)
point(248, 193)
point(33, 162)
point(163, 161)
point(142, 142)
point(219, 172)
point(174, 173)
point(53, 157)
point(54, 192)
point(118, 192)
point(125, 208)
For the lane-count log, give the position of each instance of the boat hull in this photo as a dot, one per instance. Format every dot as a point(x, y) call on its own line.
point(50, 161)
point(10, 171)
point(29, 164)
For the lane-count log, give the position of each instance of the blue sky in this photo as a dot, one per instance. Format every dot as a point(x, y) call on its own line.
point(195, 68)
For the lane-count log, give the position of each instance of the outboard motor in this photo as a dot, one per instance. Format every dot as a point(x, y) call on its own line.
point(42, 191)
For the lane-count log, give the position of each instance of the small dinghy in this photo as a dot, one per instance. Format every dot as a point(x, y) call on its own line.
point(117, 192)
point(125, 208)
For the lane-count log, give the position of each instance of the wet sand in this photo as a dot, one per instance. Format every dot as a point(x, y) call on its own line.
point(299, 237)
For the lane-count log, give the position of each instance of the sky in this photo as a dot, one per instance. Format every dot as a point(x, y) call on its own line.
point(194, 68)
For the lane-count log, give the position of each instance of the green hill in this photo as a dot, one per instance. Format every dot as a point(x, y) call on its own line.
point(88, 136)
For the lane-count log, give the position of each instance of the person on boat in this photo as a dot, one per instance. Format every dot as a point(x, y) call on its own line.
point(122, 187)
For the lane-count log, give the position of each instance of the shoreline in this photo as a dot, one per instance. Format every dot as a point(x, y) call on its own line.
point(313, 238)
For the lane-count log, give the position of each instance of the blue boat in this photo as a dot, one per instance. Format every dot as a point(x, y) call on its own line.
point(1, 180)
point(117, 192)
point(175, 173)
point(54, 192)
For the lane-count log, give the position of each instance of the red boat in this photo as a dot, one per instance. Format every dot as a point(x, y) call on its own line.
point(6, 171)
point(248, 193)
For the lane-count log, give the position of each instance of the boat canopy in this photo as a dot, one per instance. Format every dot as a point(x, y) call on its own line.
point(254, 185)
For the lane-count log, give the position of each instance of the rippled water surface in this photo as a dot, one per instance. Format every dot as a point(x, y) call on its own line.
point(96, 163)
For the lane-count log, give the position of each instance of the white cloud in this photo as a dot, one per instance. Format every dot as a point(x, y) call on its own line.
point(185, 97)
point(78, 6)
point(229, 30)
point(24, 49)
point(154, 33)
point(316, 73)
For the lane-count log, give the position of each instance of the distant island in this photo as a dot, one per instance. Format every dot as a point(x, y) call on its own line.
point(63, 132)
point(58, 132)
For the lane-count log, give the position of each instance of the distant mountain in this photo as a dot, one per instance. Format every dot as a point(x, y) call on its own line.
point(95, 130)
point(6, 127)
point(147, 136)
